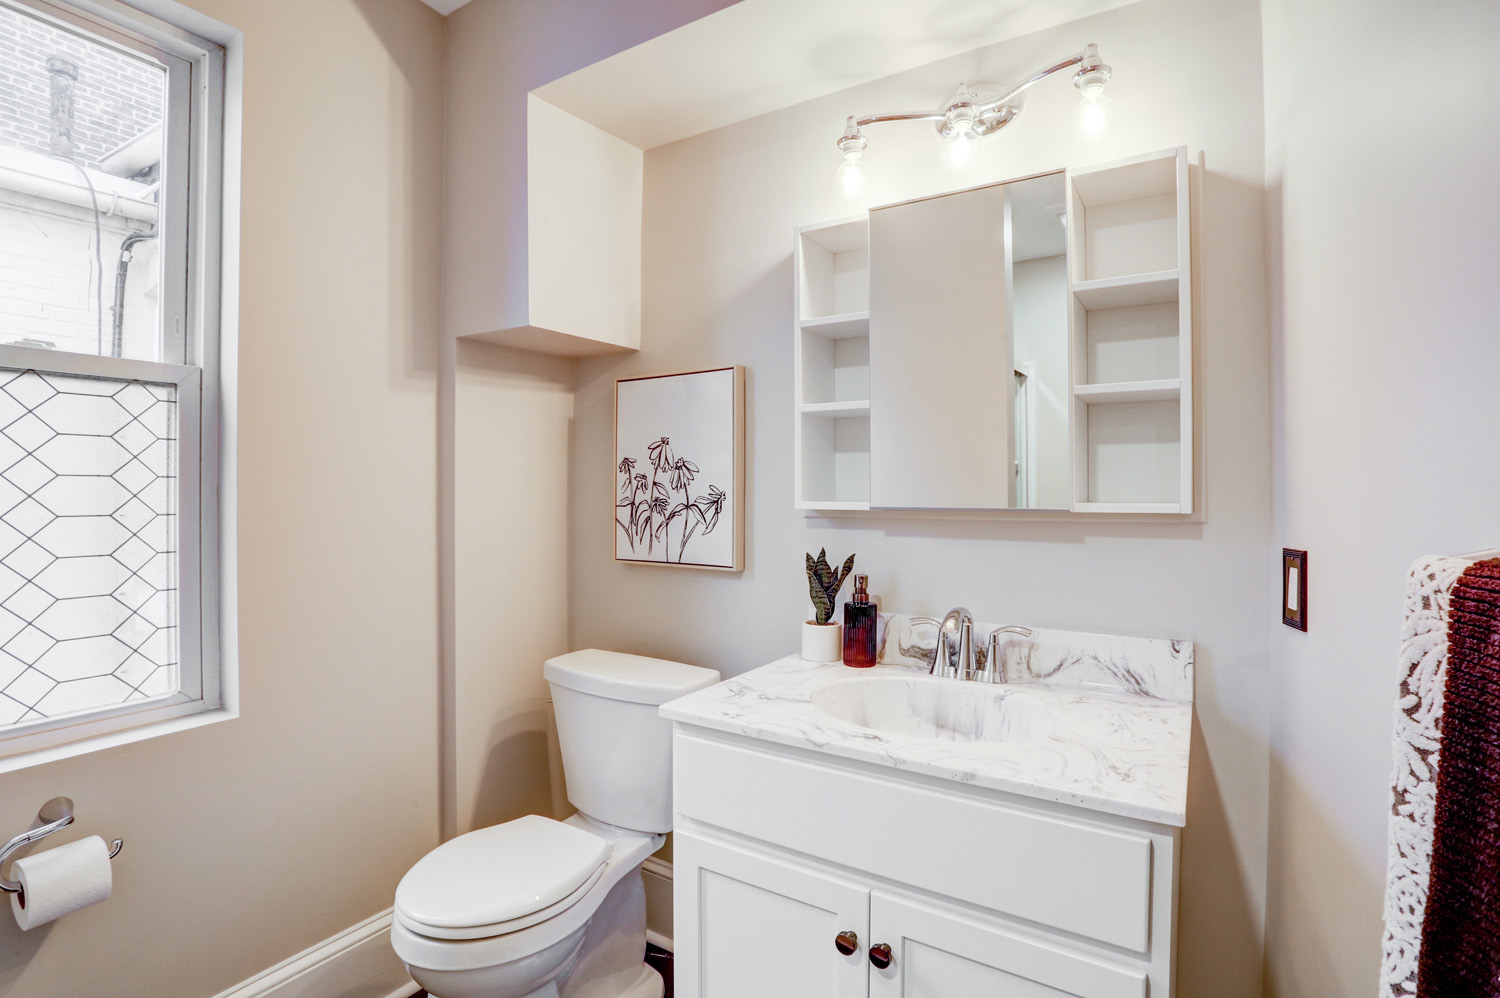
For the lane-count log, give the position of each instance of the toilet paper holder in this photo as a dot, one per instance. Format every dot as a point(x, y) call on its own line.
point(56, 813)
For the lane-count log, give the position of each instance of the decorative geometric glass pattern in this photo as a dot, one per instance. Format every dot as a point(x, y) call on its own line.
point(88, 543)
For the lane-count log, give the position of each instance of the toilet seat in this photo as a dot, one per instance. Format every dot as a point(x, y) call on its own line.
point(500, 879)
point(417, 945)
point(500, 928)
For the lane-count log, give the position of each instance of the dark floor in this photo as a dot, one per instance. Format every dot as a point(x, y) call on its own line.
point(655, 956)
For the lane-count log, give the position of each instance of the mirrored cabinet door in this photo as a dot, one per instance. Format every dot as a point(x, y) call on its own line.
point(942, 387)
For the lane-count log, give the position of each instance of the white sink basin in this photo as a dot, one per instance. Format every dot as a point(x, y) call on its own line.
point(939, 709)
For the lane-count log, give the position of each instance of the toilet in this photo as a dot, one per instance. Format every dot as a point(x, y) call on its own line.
point(537, 908)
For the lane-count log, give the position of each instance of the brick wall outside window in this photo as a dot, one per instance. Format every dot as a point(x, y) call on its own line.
point(116, 96)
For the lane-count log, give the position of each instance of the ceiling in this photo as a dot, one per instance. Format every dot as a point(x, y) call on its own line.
point(1036, 226)
point(445, 7)
point(762, 55)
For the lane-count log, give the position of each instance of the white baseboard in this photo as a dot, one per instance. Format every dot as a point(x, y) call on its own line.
point(656, 874)
point(356, 963)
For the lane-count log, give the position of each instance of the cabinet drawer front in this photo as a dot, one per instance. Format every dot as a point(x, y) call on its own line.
point(940, 954)
point(1080, 878)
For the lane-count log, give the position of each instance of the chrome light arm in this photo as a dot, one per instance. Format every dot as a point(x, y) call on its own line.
point(996, 103)
point(897, 116)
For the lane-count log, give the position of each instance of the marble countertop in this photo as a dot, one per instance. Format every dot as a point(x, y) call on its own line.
point(1117, 750)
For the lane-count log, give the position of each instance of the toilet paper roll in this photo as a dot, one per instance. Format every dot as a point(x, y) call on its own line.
point(58, 881)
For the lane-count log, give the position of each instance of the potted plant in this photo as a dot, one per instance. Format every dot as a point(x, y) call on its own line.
point(822, 638)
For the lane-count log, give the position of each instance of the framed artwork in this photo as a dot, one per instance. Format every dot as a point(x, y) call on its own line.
point(680, 469)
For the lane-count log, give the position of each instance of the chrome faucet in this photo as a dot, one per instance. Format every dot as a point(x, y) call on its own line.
point(955, 638)
point(953, 657)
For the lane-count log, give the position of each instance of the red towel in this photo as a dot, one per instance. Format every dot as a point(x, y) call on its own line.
point(1461, 928)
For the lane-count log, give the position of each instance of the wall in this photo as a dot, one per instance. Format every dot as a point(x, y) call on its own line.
point(250, 840)
point(49, 292)
point(719, 213)
point(1382, 214)
point(507, 413)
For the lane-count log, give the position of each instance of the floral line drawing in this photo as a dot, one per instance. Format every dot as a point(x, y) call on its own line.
point(647, 507)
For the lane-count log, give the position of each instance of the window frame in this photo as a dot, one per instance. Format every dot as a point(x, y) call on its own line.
point(203, 103)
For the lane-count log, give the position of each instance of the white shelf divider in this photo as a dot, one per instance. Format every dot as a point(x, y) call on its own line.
point(1129, 391)
point(1134, 289)
point(837, 410)
point(839, 327)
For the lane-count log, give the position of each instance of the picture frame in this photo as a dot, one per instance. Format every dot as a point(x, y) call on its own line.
point(679, 469)
point(1294, 588)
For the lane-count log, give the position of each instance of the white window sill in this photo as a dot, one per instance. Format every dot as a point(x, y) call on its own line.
point(124, 736)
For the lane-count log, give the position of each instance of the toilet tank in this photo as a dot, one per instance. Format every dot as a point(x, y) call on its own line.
point(616, 749)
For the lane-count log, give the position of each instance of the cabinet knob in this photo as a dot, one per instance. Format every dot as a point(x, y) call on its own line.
point(847, 942)
point(880, 956)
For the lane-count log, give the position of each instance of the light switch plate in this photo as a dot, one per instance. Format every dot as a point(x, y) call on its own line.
point(1294, 588)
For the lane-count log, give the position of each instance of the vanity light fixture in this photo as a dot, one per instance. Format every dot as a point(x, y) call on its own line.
point(980, 109)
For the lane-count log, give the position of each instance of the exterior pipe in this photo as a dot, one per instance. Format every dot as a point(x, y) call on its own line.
point(117, 345)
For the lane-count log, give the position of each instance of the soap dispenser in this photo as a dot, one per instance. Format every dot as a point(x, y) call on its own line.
point(859, 626)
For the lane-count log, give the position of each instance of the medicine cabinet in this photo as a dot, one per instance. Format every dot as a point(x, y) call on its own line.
point(1023, 345)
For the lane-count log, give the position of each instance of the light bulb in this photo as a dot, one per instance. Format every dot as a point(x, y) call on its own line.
point(1094, 112)
point(851, 176)
point(959, 151)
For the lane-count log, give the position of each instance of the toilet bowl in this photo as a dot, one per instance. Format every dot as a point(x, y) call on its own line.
point(537, 908)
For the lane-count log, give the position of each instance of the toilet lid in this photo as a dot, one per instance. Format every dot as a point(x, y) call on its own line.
point(500, 873)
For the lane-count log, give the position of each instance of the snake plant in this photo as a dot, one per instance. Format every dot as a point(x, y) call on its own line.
point(823, 583)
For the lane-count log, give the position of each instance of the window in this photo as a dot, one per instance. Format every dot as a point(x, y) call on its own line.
point(110, 136)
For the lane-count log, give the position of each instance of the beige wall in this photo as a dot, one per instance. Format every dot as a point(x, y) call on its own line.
point(719, 214)
point(249, 840)
point(508, 412)
point(1383, 215)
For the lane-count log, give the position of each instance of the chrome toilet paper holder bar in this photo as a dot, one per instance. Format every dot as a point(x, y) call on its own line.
point(55, 814)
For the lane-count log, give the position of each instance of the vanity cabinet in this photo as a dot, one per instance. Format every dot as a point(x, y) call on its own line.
point(779, 851)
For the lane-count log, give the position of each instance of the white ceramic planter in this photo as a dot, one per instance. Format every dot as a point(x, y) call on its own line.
point(822, 642)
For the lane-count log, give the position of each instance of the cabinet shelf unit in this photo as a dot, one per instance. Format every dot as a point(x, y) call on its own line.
point(832, 365)
point(1131, 335)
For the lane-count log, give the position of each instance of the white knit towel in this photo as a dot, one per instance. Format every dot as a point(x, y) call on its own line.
point(1415, 743)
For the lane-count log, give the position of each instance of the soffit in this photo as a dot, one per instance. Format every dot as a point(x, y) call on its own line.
point(758, 56)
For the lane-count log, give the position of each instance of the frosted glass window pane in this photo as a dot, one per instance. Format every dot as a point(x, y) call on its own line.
point(88, 544)
point(81, 143)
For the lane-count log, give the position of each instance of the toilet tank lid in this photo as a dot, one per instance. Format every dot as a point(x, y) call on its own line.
point(633, 678)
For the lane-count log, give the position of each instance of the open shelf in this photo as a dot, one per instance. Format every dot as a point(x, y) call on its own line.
point(833, 269)
point(839, 327)
point(1129, 261)
point(835, 459)
point(1129, 391)
point(837, 410)
point(832, 349)
point(1132, 289)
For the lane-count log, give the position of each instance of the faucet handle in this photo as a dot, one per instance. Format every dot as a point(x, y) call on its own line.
point(942, 664)
point(994, 672)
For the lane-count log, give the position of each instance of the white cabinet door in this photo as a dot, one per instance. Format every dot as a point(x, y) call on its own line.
point(942, 364)
point(749, 926)
point(947, 953)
